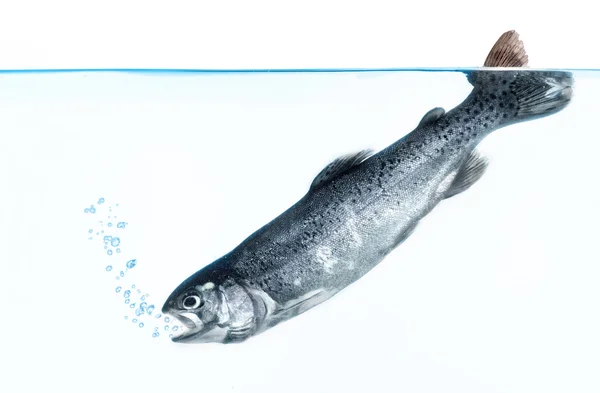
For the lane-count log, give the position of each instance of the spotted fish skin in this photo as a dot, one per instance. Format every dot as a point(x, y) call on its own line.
point(362, 206)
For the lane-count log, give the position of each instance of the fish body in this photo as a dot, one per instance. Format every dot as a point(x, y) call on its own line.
point(359, 209)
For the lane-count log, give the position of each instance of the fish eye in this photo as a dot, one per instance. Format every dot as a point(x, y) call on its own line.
point(191, 301)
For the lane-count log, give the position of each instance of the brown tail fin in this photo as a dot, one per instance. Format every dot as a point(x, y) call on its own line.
point(508, 51)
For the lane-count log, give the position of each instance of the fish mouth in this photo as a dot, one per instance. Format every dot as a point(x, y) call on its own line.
point(195, 331)
point(192, 326)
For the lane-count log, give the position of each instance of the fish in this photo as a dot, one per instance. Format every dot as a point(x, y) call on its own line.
point(361, 207)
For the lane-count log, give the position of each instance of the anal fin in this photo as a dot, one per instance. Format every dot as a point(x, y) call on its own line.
point(471, 170)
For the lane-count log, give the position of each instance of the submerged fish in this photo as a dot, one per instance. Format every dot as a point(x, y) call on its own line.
point(361, 207)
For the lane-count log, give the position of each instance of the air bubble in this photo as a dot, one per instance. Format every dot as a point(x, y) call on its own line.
point(127, 301)
point(155, 334)
point(90, 231)
point(141, 324)
point(126, 317)
point(121, 225)
point(118, 250)
point(150, 309)
point(139, 312)
point(115, 241)
point(126, 293)
point(134, 320)
point(158, 315)
point(109, 252)
point(100, 201)
point(118, 289)
point(110, 224)
point(167, 319)
point(131, 264)
point(166, 328)
point(86, 210)
point(92, 209)
point(132, 305)
point(108, 268)
point(175, 328)
point(121, 273)
point(143, 306)
point(107, 238)
point(133, 286)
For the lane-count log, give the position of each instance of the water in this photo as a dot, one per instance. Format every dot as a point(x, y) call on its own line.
point(173, 170)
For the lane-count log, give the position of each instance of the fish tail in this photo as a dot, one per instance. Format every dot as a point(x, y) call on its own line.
point(521, 94)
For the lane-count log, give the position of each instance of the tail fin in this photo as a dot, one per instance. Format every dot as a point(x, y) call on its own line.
point(520, 95)
point(508, 51)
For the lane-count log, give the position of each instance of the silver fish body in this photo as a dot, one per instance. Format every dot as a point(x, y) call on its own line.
point(358, 209)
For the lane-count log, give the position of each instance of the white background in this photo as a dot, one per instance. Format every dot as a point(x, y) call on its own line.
point(496, 291)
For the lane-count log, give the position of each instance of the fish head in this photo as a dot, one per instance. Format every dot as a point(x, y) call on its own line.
point(202, 310)
point(211, 312)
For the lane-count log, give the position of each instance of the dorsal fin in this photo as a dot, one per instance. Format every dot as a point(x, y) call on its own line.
point(508, 51)
point(470, 171)
point(431, 116)
point(338, 166)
